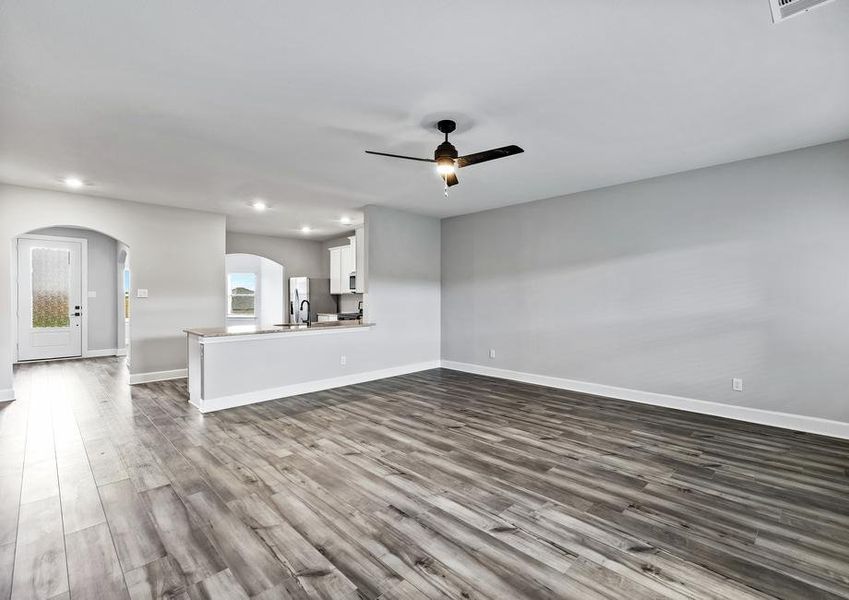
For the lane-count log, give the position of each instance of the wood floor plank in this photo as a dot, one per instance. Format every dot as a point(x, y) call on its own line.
point(220, 585)
point(7, 564)
point(93, 568)
point(431, 485)
point(158, 579)
point(185, 542)
point(250, 560)
point(81, 506)
point(40, 568)
point(136, 539)
point(10, 492)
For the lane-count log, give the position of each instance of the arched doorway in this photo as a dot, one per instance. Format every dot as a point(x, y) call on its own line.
point(68, 294)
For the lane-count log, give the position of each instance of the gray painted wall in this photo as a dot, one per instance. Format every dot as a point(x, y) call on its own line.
point(403, 278)
point(103, 279)
point(301, 258)
point(671, 285)
point(177, 254)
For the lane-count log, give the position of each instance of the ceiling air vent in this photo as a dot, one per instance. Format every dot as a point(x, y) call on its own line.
point(784, 9)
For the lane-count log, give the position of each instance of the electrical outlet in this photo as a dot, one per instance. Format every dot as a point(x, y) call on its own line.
point(343, 360)
point(737, 384)
point(141, 293)
point(492, 352)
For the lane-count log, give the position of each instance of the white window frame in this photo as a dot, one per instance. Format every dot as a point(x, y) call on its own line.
point(230, 296)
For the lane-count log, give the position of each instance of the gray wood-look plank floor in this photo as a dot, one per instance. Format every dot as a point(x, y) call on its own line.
point(433, 485)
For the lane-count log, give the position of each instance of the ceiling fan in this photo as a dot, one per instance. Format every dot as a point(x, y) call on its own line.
point(447, 160)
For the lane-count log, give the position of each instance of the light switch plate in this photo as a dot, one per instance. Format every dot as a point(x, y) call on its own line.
point(737, 384)
point(92, 294)
point(141, 293)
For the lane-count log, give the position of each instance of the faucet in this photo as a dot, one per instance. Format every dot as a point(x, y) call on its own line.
point(301, 307)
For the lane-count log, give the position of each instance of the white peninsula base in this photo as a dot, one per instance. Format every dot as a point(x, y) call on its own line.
point(234, 366)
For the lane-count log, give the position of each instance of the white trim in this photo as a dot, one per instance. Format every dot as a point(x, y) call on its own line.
point(121, 352)
point(318, 385)
point(157, 376)
point(7, 395)
point(99, 353)
point(816, 425)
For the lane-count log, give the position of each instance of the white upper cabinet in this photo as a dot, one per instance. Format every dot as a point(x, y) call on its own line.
point(336, 270)
point(344, 262)
point(348, 267)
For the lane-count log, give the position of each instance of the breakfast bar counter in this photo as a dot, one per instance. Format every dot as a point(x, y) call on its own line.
point(243, 364)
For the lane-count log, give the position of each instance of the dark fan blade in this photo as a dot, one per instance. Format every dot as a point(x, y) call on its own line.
point(429, 160)
point(479, 157)
point(451, 179)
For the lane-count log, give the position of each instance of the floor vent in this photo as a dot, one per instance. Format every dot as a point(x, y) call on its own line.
point(784, 9)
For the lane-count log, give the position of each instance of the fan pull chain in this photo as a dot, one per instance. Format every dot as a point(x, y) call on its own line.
point(445, 179)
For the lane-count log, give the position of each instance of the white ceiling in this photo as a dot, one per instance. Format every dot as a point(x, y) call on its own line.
point(208, 103)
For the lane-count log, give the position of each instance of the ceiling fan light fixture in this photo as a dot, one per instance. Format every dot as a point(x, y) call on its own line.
point(445, 166)
point(447, 158)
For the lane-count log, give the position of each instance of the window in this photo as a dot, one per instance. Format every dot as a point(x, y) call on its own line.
point(241, 290)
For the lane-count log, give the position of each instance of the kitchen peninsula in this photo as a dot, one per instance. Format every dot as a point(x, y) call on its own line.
point(238, 365)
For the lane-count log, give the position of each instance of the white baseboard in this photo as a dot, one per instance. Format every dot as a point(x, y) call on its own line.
point(99, 353)
point(157, 376)
point(7, 394)
point(213, 404)
point(121, 352)
point(816, 425)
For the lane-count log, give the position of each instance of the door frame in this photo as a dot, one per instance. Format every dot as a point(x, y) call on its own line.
point(83, 291)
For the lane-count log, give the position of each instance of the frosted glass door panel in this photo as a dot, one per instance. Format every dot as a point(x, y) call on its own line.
point(51, 287)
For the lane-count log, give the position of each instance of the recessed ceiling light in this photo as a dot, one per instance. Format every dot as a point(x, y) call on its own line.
point(259, 204)
point(305, 229)
point(72, 182)
point(345, 220)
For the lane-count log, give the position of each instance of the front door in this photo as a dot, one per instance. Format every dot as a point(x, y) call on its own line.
point(49, 299)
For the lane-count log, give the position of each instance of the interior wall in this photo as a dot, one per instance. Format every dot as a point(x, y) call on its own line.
point(301, 258)
point(672, 285)
point(274, 301)
point(177, 254)
point(403, 284)
point(102, 314)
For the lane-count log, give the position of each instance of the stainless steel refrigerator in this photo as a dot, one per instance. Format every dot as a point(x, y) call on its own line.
point(314, 290)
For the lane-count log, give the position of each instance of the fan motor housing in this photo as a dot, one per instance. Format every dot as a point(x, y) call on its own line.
point(445, 150)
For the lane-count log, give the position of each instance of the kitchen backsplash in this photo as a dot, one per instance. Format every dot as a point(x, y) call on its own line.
point(349, 303)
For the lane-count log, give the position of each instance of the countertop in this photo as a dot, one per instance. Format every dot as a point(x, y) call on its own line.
point(234, 330)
